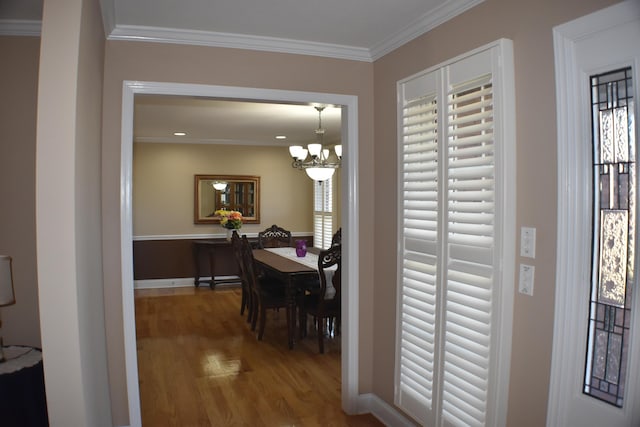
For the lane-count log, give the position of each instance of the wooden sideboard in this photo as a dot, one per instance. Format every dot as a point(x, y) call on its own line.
point(174, 259)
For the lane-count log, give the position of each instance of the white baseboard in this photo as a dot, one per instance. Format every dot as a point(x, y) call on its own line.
point(387, 414)
point(182, 282)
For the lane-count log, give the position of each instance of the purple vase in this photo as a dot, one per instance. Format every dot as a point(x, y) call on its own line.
point(301, 248)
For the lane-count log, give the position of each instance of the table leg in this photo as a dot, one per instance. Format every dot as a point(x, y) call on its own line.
point(291, 310)
point(212, 267)
point(196, 257)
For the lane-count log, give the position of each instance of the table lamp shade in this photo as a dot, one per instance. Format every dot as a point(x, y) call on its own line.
point(7, 296)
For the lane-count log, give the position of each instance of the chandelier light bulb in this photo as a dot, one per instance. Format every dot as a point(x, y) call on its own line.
point(338, 150)
point(319, 174)
point(294, 150)
point(314, 149)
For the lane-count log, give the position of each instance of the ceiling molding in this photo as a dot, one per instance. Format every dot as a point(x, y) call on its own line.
point(237, 41)
point(211, 141)
point(20, 27)
point(422, 25)
point(108, 9)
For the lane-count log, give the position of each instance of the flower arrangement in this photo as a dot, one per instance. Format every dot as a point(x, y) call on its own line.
point(231, 220)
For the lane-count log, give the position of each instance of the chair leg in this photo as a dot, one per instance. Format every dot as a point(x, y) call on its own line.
point(263, 320)
point(302, 321)
point(243, 302)
point(320, 322)
point(254, 313)
point(250, 306)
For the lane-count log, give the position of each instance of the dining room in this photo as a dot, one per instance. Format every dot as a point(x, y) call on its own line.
point(174, 205)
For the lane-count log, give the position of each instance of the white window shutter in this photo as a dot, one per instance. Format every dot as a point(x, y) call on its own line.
point(323, 213)
point(419, 225)
point(470, 238)
point(452, 307)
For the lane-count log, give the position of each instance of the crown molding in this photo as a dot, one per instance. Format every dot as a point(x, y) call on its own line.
point(422, 25)
point(20, 27)
point(237, 41)
point(108, 9)
point(427, 22)
point(208, 141)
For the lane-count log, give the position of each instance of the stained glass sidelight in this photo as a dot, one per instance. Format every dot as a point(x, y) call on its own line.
point(614, 229)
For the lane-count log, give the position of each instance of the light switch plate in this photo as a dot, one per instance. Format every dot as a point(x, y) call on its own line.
point(526, 279)
point(528, 242)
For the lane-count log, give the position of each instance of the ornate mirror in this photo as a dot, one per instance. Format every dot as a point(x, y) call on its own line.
point(231, 192)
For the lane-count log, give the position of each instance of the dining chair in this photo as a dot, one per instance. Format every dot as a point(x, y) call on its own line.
point(321, 305)
point(246, 302)
point(268, 293)
point(337, 238)
point(274, 237)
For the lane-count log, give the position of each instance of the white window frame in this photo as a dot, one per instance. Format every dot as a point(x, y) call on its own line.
point(583, 47)
point(500, 64)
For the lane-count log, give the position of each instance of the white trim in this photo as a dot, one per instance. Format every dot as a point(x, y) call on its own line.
point(573, 259)
point(20, 27)
point(108, 9)
point(427, 22)
point(183, 282)
point(237, 41)
point(446, 11)
point(387, 414)
point(505, 123)
point(187, 140)
point(350, 215)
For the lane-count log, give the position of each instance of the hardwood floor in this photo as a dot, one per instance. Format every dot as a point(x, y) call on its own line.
point(199, 364)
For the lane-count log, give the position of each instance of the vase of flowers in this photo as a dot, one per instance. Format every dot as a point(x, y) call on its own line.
point(230, 220)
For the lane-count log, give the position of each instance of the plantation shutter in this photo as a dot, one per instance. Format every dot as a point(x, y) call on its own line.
point(470, 240)
point(449, 346)
point(419, 154)
point(323, 213)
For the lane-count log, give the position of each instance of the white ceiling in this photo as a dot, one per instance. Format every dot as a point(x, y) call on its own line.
point(211, 121)
point(362, 30)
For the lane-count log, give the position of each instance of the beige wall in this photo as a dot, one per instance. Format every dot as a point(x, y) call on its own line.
point(163, 187)
point(68, 214)
point(529, 24)
point(217, 66)
point(19, 87)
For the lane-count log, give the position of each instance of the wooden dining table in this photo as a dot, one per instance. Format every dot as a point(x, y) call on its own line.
point(292, 273)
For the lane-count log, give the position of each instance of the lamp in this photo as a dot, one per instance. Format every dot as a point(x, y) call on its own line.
point(219, 185)
point(7, 296)
point(318, 167)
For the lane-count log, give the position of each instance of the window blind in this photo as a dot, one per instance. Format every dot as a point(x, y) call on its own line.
point(470, 236)
point(419, 264)
point(449, 277)
point(323, 213)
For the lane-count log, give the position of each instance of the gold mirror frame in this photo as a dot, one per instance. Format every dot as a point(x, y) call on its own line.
point(242, 194)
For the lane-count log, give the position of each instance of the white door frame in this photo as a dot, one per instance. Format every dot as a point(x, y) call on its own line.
point(576, 59)
point(349, 195)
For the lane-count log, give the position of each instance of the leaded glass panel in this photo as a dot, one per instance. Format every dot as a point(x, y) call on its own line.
point(614, 213)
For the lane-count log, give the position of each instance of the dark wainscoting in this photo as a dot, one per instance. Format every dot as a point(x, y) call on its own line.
point(174, 259)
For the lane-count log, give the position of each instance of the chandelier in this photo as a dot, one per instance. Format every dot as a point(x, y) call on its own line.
point(314, 159)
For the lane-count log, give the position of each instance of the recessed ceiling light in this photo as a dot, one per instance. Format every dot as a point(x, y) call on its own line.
point(281, 137)
point(179, 133)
